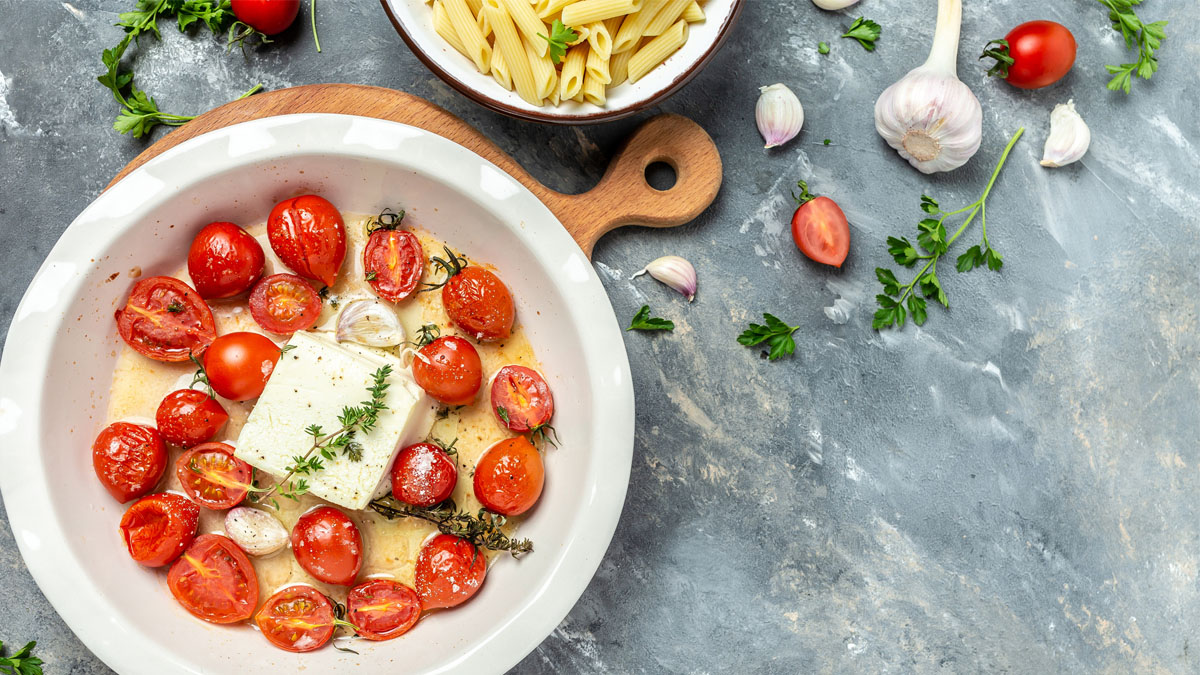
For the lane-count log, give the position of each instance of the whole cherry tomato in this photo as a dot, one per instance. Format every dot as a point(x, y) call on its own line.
point(449, 370)
point(267, 16)
point(239, 365)
point(820, 229)
point(509, 477)
point(164, 319)
point(382, 609)
point(449, 571)
point(423, 475)
point(224, 260)
point(213, 477)
point(129, 459)
point(157, 528)
point(521, 399)
point(393, 261)
point(308, 235)
point(328, 546)
point(1033, 55)
point(284, 304)
point(297, 618)
point(480, 304)
point(214, 580)
point(188, 416)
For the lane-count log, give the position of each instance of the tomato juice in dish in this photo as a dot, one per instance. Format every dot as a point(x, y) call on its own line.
point(385, 548)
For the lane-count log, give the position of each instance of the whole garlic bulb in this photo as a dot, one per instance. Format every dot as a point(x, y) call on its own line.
point(1069, 137)
point(833, 4)
point(930, 117)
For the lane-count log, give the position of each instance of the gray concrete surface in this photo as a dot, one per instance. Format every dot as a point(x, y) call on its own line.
point(1013, 488)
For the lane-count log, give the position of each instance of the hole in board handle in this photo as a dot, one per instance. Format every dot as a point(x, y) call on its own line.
point(661, 176)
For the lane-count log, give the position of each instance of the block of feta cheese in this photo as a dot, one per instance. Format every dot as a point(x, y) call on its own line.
point(311, 384)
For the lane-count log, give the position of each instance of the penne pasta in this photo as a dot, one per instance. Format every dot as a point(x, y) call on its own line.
point(657, 50)
point(693, 13)
point(618, 67)
point(475, 5)
point(500, 71)
point(527, 21)
point(545, 77)
point(596, 68)
point(485, 28)
point(465, 25)
point(634, 26)
point(666, 17)
point(571, 81)
point(586, 11)
point(508, 43)
point(594, 91)
point(443, 27)
point(546, 9)
point(599, 38)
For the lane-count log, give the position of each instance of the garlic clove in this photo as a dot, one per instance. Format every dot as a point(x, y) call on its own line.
point(371, 323)
point(255, 532)
point(675, 272)
point(833, 4)
point(1069, 136)
point(779, 115)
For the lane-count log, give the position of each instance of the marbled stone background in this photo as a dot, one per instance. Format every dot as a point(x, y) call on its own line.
point(1013, 488)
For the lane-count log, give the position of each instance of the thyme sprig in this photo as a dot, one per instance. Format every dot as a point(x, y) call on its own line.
point(452, 264)
point(483, 530)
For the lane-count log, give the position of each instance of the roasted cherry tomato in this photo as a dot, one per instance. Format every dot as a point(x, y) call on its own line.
point(214, 580)
point(382, 609)
point(449, 571)
point(308, 235)
point(1033, 55)
point(166, 320)
point(129, 459)
point(266, 16)
point(297, 618)
point(213, 477)
point(159, 527)
point(820, 229)
point(189, 416)
point(449, 370)
point(480, 304)
point(328, 546)
point(509, 477)
point(284, 303)
point(393, 262)
point(224, 260)
point(423, 475)
point(239, 365)
point(521, 399)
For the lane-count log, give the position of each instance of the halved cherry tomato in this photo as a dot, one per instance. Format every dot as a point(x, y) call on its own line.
point(393, 261)
point(382, 609)
point(480, 304)
point(509, 477)
point(820, 229)
point(189, 416)
point(159, 527)
point(284, 303)
point(308, 235)
point(297, 618)
point(423, 475)
point(268, 16)
point(224, 260)
point(164, 319)
point(213, 477)
point(1042, 53)
point(239, 365)
point(521, 399)
point(449, 370)
point(214, 580)
point(449, 571)
point(328, 546)
point(129, 459)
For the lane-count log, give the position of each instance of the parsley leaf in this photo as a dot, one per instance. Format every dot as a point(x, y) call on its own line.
point(22, 662)
point(776, 333)
point(823, 47)
point(1146, 38)
point(865, 31)
point(561, 35)
point(643, 321)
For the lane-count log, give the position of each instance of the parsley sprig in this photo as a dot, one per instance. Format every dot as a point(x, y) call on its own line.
point(1146, 38)
point(22, 662)
point(561, 36)
point(865, 31)
point(483, 530)
point(934, 244)
point(643, 321)
point(775, 332)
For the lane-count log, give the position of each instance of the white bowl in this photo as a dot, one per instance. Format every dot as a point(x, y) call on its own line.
point(62, 345)
point(413, 19)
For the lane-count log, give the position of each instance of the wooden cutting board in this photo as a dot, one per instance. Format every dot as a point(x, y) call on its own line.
point(623, 197)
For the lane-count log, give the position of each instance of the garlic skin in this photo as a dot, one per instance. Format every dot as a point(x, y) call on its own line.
point(779, 115)
point(930, 117)
point(833, 4)
point(1069, 138)
point(255, 532)
point(371, 323)
point(675, 272)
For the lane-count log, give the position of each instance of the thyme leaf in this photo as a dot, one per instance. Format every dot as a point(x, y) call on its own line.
point(482, 530)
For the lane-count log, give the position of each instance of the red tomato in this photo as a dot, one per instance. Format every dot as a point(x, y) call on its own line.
point(159, 527)
point(449, 571)
point(266, 16)
point(308, 235)
point(188, 416)
point(509, 477)
point(164, 319)
point(213, 477)
point(328, 546)
point(224, 260)
point(382, 609)
point(521, 399)
point(449, 370)
point(1042, 53)
point(423, 475)
point(820, 229)
point(214, 580)
point(480, 304)
point(129, 459)
point(239, 365)
point(284, 303)
point(296, 618)
point(393, 261)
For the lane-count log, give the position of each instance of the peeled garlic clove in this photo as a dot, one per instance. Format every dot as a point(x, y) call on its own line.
point(256, 532)
point(1069, 136)
point(371, 323)
point(779, 115)
point(675, 272)
point(834, 4)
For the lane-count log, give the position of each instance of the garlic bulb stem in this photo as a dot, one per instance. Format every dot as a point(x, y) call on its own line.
point(943, 55)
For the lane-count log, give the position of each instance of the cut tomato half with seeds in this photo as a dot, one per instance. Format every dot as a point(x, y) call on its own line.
point(393, 261)
point(214, 580)
point(213, 477)
point(297, 618)
point(164, 319)
point(284, 304)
